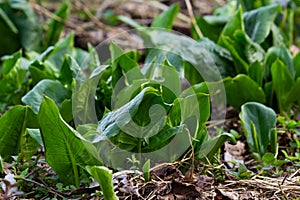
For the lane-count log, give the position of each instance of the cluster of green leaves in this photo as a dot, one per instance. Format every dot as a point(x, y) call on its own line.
point(249, 42)
point(265, 70)
point(20, 27)
point(123, 110)
point(136, 110)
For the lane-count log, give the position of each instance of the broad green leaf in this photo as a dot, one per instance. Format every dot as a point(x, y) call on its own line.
point(9, 35)
point(57, 55)
point(66, 151)
point(293, 95)
point(55, 27)
point(245, 87)
point(104, 177)
point(36, 134)
point(69, 71)
point(26, 22)
point(125, 69)
point(155, 58)
point(297, 65)
point(13, 135)
point(283, 82)
point(94, 61)
point(50, 88)
point(195, 105)
point(256, 73)
point(281, 53)
point(39, 71)
point(143, 116)
point(165, 20)
point(278, 37)
point(234, 24)
point(146, 170)
point(236, 46)
point(258, 22)
point(205, 57)
point(269, 92)
point(83, 58)
point(244, 51)
point(211, 146)
point(28, 146)
point(165, 137)
point(13, 74)
point(83, 98)
point(258, 122)
point(211, 26)
point(168, 77)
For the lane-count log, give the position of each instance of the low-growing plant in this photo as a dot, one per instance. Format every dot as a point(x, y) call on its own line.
point(259, 128)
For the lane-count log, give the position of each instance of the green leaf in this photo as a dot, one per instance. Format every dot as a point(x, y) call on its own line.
point(69, 71)
point(268, 158)
point(165, 20)
point(55, 27)
point(26, 22)
point(9, 35)
point(234, 24)
point(258, 122)
point(212, 145)
point(246, 88)
point(36, 134)
point(258, 22)
point(297, 65)
point(13, 74)
point(142, 116)
point(146, 170)
point(13, 135)
point(40, 70)
point(283, 82)
point(205, 57)
point(281, 53)
point(66, 150)
point(256, 72)
point(83, 98)
point(28, 146)
point(211, 26)
point(293, 95)
point(123, 65)
point(104, 177)
point(168, 77)
point(57, 55)
point(50, 88)
point(274, 142)
point(195, 105)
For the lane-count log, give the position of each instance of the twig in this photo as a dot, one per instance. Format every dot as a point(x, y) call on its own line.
point(94, 19)
point(43, 186)
point(49, 14)
point(191, 14)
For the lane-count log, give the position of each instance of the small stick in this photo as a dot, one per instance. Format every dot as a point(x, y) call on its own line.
point(191, 14)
